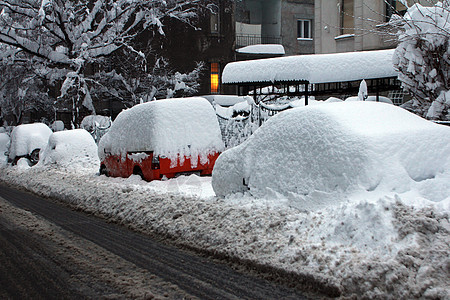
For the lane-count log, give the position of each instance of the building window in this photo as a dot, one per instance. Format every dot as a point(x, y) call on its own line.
point(347, 17)
point(304, 29)
point(214, 78)
point(214, 22)
point(394, 7)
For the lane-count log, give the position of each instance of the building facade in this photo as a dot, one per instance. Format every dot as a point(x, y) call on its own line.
point(286, 22)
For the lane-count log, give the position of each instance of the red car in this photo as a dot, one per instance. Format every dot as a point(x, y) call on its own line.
point(162, 138)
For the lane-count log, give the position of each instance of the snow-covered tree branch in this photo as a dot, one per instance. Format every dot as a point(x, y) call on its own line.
point(73, 40)
point(423, 57)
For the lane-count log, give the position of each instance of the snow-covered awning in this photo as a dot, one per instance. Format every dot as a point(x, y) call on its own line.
point(316, 68)
point(274, 49)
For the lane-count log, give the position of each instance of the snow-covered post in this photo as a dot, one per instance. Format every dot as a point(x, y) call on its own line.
point(363, 94)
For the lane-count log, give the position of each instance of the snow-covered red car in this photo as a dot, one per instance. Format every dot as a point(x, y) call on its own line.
point(162, 139)
point(27, 140)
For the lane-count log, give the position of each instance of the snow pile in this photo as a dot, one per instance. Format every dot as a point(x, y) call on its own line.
point(27, 137)
point(274, 49)
point(316, 152)
point(171, 127)
point(317, 68)
point(70, 149)
point(4, 146)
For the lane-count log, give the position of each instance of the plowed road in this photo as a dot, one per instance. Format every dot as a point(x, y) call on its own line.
point(49, 251)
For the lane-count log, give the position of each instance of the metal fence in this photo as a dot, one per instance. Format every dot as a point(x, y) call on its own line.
point(254, 39)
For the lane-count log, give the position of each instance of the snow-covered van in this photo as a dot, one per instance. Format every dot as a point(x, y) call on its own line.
point(162, 138)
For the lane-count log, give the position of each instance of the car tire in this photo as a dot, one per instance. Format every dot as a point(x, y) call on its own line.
point(34, 156)
point(103, 170)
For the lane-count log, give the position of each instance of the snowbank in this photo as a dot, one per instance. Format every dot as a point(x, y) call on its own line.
point(312, 152)
point(70, 149)
point(171, 127)
point(27, 137)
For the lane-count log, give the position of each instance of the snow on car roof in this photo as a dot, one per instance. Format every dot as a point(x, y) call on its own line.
point(170, 127)
point(316, 68)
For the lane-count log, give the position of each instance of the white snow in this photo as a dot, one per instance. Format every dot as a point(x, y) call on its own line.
point(171, 127)
point(320, 151)
point(317, 68)
point(382, 244)
point(27, 137)
point(274, 49)
point(70, 149)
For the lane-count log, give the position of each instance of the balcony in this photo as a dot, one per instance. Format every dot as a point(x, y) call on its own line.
point(243, 40)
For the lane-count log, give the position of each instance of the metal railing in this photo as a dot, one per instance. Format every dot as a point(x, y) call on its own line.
point(243, 40)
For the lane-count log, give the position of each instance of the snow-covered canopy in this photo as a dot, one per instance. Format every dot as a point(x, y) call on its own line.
point(27, 137)
point(266, 49)
point(316, 68)
point(70, 149)
point(170, 127)
point(335, 148)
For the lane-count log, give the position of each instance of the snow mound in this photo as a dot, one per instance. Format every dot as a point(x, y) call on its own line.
point(344, 147)
point(27, 137)
point(70, 149)
point(171, 127)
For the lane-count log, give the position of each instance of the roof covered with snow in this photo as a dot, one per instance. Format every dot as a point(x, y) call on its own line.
point(170, 127)
point(316, 68)
point(275, 49)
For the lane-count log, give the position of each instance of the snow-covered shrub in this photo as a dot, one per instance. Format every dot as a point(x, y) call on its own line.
point(70, 149)
point(96, 125)
point(28, 137)
point(335, 147)
point(423, 57)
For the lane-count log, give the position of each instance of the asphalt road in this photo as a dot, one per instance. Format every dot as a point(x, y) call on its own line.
point(48, 250)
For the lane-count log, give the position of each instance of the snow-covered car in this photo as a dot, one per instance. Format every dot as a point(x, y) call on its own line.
point(4, 145)
point(70, 149)
point(27, 140)
point(162, 139)
point(335, 147)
